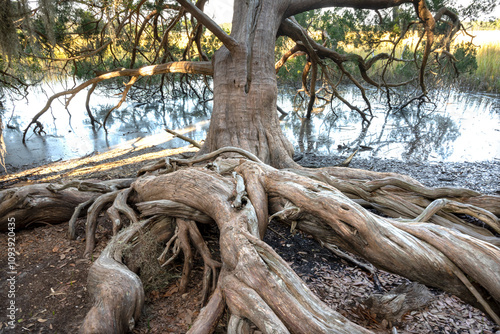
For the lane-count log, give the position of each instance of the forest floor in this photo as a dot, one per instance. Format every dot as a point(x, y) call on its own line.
point(51, 294)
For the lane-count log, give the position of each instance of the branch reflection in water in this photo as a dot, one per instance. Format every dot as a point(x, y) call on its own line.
point(456, 127)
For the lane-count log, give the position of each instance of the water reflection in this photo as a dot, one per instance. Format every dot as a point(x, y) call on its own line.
point(69, 133)
point(458, 127)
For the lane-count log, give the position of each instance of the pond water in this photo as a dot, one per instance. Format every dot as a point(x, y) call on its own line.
point(459, 127)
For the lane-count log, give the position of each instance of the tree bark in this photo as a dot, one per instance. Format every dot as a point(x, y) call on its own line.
point(35, 204)
point(255, 284)
point(245, 90)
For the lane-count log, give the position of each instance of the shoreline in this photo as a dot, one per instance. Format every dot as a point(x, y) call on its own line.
point(482, 176)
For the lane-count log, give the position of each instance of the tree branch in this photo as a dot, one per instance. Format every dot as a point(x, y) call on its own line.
point(204, 68)
point(90, 54)
point(299, 6)
point(227, 40)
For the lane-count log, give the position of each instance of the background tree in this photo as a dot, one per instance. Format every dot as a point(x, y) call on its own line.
point(426, 242)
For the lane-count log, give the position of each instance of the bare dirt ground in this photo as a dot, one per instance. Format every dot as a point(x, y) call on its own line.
point(51, 274)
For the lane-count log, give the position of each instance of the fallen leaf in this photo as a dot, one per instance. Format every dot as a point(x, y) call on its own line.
point(42, 320)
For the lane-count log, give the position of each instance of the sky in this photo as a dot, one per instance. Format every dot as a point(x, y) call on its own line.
point(222, 10)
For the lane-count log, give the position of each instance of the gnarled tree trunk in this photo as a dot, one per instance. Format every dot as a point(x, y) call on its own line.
point(239, 196)
point(245, 91)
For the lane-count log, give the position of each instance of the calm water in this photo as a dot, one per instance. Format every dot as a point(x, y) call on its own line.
point(459, 127)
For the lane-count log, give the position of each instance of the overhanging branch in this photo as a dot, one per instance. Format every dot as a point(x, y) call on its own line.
point(299, 6)
point(227, 40)
point(204, 68)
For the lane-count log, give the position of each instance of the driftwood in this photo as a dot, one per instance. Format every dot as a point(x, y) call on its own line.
point(35, 204)
point(189, 140)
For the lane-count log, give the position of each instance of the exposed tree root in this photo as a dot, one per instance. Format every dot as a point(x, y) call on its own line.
point(92, 215)
point(36, 204)
point(457, 207)
point(111, 283)
point(209, 316)
point(429, 245)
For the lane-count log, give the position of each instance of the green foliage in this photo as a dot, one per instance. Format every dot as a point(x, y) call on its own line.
point(66, 29)
point(8, 36)
point(465, 54)
point(210, 43)
point(87, 24)
point(404, 70)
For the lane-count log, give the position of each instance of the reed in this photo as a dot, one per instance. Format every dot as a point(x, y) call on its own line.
point(488, 65)
point(485, 78)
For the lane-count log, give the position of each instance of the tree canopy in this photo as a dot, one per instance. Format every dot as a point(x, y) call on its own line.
point(83, 39)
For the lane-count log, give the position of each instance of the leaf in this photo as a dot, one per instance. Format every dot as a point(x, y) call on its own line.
point(42, 320)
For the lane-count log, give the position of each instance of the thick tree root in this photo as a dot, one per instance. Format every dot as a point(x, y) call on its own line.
point(429, 245)
point(332, 218)
point(35, 204)
point(256, 283)
point(394, 200)
point(117, 293)
point(243, 263)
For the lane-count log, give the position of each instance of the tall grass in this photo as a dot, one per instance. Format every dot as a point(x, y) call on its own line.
point(485, 78)
point(487, 75)
point(488, 66)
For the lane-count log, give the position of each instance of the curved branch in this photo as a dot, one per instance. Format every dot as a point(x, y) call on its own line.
point(429, 24)
point(293, 52)
point(93, 121)
point(306, 44)
point(204, 68)
point(124, 96)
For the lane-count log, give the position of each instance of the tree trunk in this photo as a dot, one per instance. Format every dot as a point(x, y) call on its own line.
point(245, 90)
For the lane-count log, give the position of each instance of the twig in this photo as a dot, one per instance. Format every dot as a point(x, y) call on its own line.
point(189, 140)
point(366, 267)
point(347, 161)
